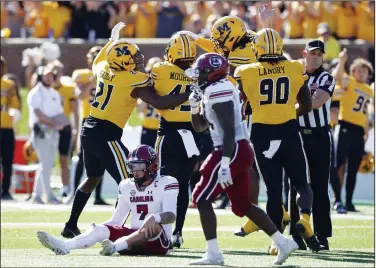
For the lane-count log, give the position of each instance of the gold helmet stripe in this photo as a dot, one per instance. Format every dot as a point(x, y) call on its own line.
point(267, 41)
point(274, 41)
point(271, 43)
point(189, 46)
point(184, 45)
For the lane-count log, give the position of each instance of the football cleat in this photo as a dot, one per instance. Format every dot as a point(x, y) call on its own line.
point(324, 244)
point(177, 240)
point(350, 207)
point(284, 252)
point(69, 232)
point(248, 228)
point(210, 259)
point(108, 248)
point(303, 227)
point(273, 250)
point(54, 244)
point(285, 220)
point(240, 232)
point(341, 209)
point(300, 242)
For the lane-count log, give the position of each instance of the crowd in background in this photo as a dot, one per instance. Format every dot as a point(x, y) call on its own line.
point(95, 19)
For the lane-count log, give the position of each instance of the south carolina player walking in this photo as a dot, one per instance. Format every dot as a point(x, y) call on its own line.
point(150, 198)
point(227, 167)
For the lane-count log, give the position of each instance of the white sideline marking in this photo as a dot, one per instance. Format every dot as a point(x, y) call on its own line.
point(8, 225)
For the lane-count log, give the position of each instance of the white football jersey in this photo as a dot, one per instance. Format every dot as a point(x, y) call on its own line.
point(160, 196)
point(223, 91)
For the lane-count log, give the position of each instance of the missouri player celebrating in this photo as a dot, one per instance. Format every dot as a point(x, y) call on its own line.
point(151, 200)
point(176, 142)
point(119, 84)
point(273, 85)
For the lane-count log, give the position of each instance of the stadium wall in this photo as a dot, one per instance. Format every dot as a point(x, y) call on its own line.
point(73, 51)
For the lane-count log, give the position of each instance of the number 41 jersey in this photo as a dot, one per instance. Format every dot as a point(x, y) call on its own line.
point(272, 89)
point(160, 196)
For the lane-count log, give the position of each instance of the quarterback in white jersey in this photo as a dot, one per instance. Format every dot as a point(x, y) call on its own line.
point(150, 198)
point(227, 167)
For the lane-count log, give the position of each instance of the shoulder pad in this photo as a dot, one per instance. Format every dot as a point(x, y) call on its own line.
point(159, 69)
point(139, 79)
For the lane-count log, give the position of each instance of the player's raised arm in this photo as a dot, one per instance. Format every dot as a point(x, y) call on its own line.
point(114, 37)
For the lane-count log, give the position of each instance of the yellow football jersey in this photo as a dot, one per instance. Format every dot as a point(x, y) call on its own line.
point(354, 103)
point(272, 89)
point(151, 118)
point(67, 94)
point(84, 76)
point(170, 79)
point(9, 99)
point(113, 101)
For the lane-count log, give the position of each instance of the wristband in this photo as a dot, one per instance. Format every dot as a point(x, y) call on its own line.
point(195, 110)
point(157, 218)
point(225, 162)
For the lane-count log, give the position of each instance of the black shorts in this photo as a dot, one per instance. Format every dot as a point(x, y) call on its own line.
point(102, 153)
point(148, 136)
point(65, 141)
point(275, 155)
point(335, 104)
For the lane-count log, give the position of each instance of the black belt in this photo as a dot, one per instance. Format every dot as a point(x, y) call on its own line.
point(315, 131)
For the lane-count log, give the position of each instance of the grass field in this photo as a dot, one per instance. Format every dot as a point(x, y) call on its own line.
point(352, 244)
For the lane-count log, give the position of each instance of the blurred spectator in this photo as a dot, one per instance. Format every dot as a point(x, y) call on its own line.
point(125, 15)
point(327, 12)
point(78, 26)
point(4, 15)
point(145, 19)
point(293, 16)
point(271, 10)
point(201, 9)
point(346, 21)
point(100, 17)
point(36, 19)
point(196, 24)
point(171, 15)
point(59, 14)
point(332, 46)
point(241, 11)
point(311, 20)
point(366, 21)
point(15, 22)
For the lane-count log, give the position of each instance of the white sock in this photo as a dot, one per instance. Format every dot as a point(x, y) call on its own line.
point(95, 234)
point(121, 244)
point(278, 239)
point(212, 246)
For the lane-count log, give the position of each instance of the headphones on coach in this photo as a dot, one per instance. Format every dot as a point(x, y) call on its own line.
point(40, 71)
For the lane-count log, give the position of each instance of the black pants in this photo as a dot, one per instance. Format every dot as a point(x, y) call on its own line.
point(317, 146)
point(7, 152)
point(175, 163)
point(350, 149)
point(288, 155)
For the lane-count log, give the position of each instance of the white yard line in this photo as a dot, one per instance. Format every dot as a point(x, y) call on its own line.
point(9, 225)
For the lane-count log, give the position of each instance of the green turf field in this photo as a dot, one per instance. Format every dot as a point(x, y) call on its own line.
point(351, 246)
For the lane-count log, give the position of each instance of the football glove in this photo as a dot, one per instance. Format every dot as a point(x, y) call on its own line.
point(115, 33)
point(194, 99)
point(224, 173)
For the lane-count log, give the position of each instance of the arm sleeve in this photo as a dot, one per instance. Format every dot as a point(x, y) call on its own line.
point(122, 210)
point(34, 100)
point(101, 56)
point(170, 196)
point(327, 83)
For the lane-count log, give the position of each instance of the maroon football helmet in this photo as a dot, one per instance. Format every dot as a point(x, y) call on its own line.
point(143, 158)
point(208, 69)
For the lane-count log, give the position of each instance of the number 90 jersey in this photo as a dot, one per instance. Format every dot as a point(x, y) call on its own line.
point(272, 89)
point(223, 91)
point(160, 196)
point(113, 101)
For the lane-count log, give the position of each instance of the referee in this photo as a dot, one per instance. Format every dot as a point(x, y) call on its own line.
point(316, 134)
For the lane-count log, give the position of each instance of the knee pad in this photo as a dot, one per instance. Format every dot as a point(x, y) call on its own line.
point(99, 231)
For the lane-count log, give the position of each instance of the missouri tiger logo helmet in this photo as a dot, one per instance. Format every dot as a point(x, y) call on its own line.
point(227, 32)
point(367, 164)
point(124, 56)
point(267, 42)
point(29, 153)
point(93, 52)
point(181, 47)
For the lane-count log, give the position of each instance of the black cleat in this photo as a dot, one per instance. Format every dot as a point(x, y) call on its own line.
point(351, 207)
point(101, 202)
point(177, 240)
point(69, 232)
point(240, 233)
point(324, 244)
point(311, 241)
point(6, 196)
point(299, 240)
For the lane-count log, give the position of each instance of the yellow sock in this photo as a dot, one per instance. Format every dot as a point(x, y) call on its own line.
point(305, 217)
point(250, 227)
point(307, 225)
point(286, 216)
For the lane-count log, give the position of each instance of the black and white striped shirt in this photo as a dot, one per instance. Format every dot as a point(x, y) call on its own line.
point(320, 79)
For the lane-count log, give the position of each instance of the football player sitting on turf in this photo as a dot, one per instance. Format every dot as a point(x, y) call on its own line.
point(151, 198)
